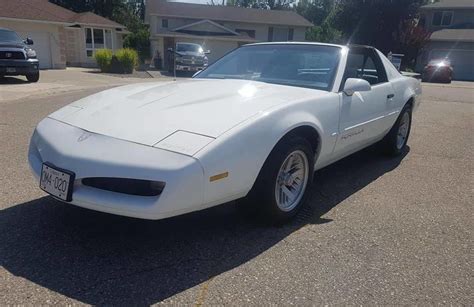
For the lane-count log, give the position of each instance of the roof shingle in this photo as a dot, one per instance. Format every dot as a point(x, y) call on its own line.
point(450, 4)
point(225, 13)
point(453, 35)
point(42, 10)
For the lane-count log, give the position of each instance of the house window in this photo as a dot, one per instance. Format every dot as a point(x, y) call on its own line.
point(447, 18)
point(164, 23)
point(291, 32)
point(98, 39)
point(280, 34)
point(442, 18)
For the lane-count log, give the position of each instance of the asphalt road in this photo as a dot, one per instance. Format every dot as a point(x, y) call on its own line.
point(378, 230)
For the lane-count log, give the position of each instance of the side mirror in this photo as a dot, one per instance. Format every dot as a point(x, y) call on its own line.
point(29, 41)
point(353, 85)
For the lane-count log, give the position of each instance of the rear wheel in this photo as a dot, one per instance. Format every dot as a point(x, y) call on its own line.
point(396, 140)
point(281, 188)
point(34, 77)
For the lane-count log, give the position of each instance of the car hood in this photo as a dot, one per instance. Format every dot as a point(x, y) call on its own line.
point(12, 45)
point(191, 53)
point(147, 113)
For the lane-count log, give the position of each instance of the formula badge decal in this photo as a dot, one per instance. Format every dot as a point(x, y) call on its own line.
point(351, 134)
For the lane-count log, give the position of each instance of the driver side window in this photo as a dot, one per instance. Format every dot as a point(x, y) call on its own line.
point(363, 64)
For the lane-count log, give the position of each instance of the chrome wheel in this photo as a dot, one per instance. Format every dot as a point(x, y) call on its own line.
point(403, 129)
point(292, 180)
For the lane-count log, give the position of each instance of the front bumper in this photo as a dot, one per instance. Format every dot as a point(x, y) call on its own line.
point(186, 67)
point(18, 67)
point(91, 155)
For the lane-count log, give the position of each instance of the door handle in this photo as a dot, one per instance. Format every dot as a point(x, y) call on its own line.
point(390, 96)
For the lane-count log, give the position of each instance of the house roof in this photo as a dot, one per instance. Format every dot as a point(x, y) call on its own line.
point(42, 10)
point(225, 13)
point(91, 18)
point(242, 37)
point(450, 4)
point(453, 35)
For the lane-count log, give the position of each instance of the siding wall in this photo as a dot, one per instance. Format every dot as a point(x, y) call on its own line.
point(459, 17)
point(217, 47)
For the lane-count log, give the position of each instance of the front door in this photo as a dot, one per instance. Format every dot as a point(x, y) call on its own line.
point(363, 115)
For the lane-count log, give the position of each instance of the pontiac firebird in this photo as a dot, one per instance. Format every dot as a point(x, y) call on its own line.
point(253, 126)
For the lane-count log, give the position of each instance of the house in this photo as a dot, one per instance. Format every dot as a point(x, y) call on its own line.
point(219, 29)
point(451, 23)
point(61, 37)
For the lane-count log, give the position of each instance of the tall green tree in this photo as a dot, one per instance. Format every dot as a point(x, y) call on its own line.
point(374, 22)
point(260, 4)
point(321, 14)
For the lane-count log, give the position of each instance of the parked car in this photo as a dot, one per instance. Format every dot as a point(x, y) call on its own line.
point(438, 70)
point(253, 126)
point(17, 57)
point(187, 57)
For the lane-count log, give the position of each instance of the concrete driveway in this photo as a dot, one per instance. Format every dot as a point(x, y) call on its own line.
point(378, 230)
point(53, 82)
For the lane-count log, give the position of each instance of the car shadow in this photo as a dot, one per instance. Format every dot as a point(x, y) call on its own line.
point(13, 80)
point(103, 259)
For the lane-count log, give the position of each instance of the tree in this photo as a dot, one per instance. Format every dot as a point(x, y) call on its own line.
point(261, 4)
point(411, 38)
point(103, 8)
point(321, 14)
point(316, 11)
point(374, 22)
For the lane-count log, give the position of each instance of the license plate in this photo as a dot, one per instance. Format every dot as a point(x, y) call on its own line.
point(11, 69)
point(57, 182)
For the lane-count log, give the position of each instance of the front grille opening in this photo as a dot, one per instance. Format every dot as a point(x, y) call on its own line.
point(12, 55)
point(126, 185)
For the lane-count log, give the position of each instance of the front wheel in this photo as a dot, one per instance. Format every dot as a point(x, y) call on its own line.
point(281, 188)
point(396, 140)
point(34, 77)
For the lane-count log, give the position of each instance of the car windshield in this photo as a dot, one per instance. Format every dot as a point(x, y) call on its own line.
point(303, 65)
point(188, 48)
point(9, 36)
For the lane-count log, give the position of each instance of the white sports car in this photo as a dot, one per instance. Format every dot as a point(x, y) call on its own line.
point(255, 125)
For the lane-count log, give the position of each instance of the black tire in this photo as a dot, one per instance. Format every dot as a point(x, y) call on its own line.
point(261, 199)
point(34, 77)
point(390, 143)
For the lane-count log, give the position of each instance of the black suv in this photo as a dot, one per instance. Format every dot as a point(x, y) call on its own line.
point(16, 57)
point(187, 57)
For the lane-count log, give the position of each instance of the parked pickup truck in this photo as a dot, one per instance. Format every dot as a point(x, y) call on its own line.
point(16, 56)
point(189, 57)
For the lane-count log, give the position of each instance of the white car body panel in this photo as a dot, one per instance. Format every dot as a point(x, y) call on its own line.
point(184, 133)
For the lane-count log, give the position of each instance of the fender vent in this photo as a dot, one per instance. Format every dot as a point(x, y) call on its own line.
point(126, 185)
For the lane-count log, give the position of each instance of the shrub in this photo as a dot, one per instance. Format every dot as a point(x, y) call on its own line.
point(128, 59)
point(103, 57)
point(140, 41)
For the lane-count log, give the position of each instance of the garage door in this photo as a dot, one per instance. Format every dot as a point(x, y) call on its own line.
point(461, 60)
point(219, 49)
point(42, 46)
